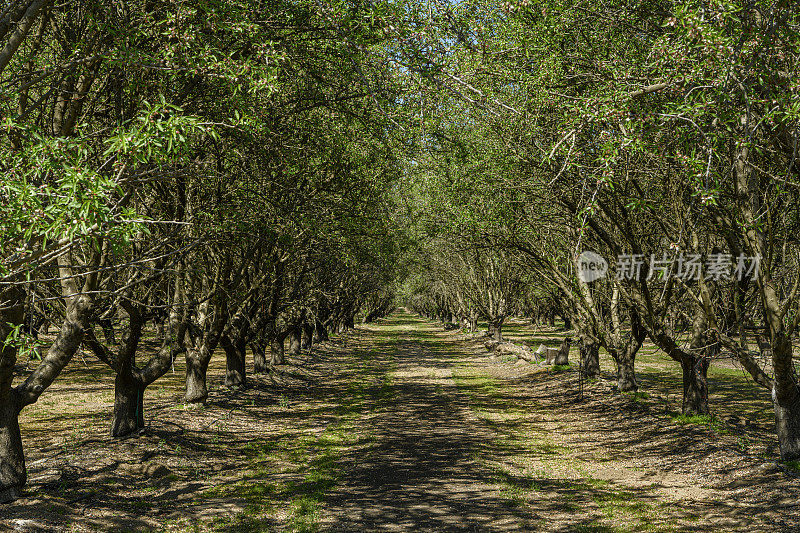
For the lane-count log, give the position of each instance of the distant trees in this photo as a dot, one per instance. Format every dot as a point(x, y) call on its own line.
point(209, 174)
point(239, 176)
point(660, 134)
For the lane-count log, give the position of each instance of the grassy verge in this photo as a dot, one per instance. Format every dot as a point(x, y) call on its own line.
point(537, 472)
point(314, 463)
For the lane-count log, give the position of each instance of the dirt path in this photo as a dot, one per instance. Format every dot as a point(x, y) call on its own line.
point(422, 472)
point(399, 426)
point(466, 442)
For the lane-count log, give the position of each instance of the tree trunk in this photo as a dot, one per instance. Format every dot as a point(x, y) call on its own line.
point(626, 376)
point(295, 341)
point(108, 331)
point(12, 459)
point(307, 336)
point(567, 322)
point(12, 400)
point(562, 359)
point(235, 373)
point(196, 368)
point(787, 423)
point(590, 356)
point(128, 405)
point(695, 385)
point(320, 331)
point(498, 332)
point(259, 350)
point(785, 398)
point(160, 325)
point(277, 356)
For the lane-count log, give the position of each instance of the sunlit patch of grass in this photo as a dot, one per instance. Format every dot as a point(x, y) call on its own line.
point(514, 495)
point(548, 448)
point(698, 420)
point(794, 466)
point(594, 528)
point(625, 507)
point(313, 459)
point(305, 514)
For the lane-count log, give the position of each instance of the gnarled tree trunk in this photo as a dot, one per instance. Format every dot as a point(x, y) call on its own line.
point(626, 375)
point(695, 385)
point(562, 358)
point(12, 458)
point(495, 329)
point(307, 336)
point(320, 331)
point(196, 368)
point(590, 355)
point(198, 359)
point(259, 350)
point(12, 400)
point(295, 341)
point(277, 356)
point(785, 398)
point(235, 371)
point(128, 404)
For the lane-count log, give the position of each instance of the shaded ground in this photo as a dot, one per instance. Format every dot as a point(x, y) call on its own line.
point(403, 427)
point(423, 471)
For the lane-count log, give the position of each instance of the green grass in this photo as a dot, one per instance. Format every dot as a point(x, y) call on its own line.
point(699, 420)
point(794, 466)
point(316, 458)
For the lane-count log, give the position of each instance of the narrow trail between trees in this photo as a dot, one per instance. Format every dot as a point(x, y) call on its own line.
point(423, 471)
point(462, 441)
point(399, 426)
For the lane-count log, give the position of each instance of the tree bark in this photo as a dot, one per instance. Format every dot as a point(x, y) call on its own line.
point(496, 329)
point(277, 356)
point(590, 356)
point(320, 331)
point(695, 385)
point(562, 359)
point(295, 341)
point(128, 404)
point(626, 375)
point(13, 400)
point(259, 350)
point(197, 360)
point(12, 458)
point(108, 331)
point(235, 372)
point(196, 368)
point(785, 398)
point(307, 336)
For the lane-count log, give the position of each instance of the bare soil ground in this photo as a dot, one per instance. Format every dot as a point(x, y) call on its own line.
point(404, 427)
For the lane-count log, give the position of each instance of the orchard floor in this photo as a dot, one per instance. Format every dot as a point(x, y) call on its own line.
point(401, 426)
